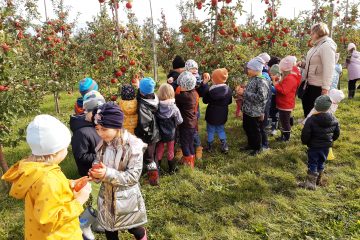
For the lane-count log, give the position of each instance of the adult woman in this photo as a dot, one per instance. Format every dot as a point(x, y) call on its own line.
point(318, 67)
point(353, 66)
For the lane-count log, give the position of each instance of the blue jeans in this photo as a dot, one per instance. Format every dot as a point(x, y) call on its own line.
point(197, 141)
point(317, 158)
point(212, 129)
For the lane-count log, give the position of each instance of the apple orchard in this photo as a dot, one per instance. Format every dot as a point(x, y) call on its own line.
point(42, 56)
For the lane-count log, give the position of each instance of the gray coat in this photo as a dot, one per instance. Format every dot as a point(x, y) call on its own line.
point(256, 96)
point(120, 203)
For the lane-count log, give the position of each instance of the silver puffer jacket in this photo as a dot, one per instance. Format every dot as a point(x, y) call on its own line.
point(120, 203)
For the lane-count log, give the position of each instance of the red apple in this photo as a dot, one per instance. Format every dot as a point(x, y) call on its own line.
point(222, 32)
point(5, 47)
point(197, 38)
point(228, 1)
point(2, 88)
point(214, 3)
point(114, 80)
point(101, 58)
point(113, 98)
point(199, 5)
point(132, 62)
point(118, 73)
point(285, 44)
point(128, 5)
point(220, 23)
point(123, 69)
point(108, 53)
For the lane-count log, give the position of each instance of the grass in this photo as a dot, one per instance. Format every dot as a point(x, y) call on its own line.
point(238, 196)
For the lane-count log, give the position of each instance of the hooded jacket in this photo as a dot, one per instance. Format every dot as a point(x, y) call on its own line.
point(129, 108)
point(51, 212)
point(218, 98)
point(320, 131)
point(168, 117)
point(120, 203)
point(256, 96)
point(286, 90)
point(320, 63)
point(147, 128)
point(188, 102)
point(353, 65)
point(83, 142)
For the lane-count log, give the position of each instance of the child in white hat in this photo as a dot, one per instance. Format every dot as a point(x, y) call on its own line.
point(52, 206)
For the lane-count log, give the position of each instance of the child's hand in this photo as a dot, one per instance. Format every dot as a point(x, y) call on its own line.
point(262, 117)
point(206, 78)
point(170, 80)
point(98, 171)
point(83, 195)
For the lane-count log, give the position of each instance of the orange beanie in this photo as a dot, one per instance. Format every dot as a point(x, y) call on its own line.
point(220, 75)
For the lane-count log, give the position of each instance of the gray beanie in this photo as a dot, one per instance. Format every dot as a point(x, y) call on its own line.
point(187, 81)
point(92, 100)
point(323, 103)
point(256, 64)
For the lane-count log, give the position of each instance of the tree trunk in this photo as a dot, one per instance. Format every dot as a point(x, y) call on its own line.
point(56, 99)
point(153, 44)
point(4, 167)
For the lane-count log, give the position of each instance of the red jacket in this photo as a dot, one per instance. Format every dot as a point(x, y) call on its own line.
point(286, 90)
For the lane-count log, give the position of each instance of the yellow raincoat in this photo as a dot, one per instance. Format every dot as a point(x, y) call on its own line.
point(129, 107)
point(51, 212)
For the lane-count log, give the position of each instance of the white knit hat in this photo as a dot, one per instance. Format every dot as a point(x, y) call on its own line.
point(351, 46)
point(47, 135)
point(286, 64)
point(265, 57)
point(187, 81)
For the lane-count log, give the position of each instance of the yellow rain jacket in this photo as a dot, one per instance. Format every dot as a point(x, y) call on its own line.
point(129, 107)
point(51, 212)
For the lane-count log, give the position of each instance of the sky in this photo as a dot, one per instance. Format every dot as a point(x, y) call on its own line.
point(89, 8)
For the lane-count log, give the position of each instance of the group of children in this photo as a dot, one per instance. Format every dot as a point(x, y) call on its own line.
point(113, 144)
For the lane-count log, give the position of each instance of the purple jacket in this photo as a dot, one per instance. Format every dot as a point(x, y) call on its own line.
point(353, 66)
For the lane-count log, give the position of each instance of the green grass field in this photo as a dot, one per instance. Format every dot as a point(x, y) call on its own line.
point(238, 196)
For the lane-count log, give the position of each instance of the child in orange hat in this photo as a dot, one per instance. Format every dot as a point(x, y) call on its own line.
point(218, 97)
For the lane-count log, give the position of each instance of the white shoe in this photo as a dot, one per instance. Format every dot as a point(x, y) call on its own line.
point(274, 132)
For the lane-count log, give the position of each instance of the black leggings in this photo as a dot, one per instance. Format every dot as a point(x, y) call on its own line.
point(138, 233)
point(352, 87)
point(309, 97)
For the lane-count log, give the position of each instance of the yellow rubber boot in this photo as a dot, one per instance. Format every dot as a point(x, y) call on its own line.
point(331, 155)
point(199, 153)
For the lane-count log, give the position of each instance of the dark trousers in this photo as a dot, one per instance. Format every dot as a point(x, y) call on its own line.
point(273, 110)
point(187, 141)
point(149, 154)
point(316, 159)
point(252, 127)
point(352, 88)
point(309, 97)
point(138, 232)
point(285, 117)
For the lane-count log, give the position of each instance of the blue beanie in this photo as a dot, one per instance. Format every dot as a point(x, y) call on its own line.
point(256, 64)
point(147, 86)
point(86, 85)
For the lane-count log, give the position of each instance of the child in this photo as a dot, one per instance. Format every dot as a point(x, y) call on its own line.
point(201, 87)
point(85, 139)
point(178, 67)
point(85, 86)
point(255, 98)
point(52, 207)
point(168, 118)
point(218, 98)
point(318, 134)
point(337, 72)
point(187, 101)
point(147, 129)
point(286, 93)
point(83, 142)
point(353, 67)
point(274, 113)
point(128, 105)
point(118, 168)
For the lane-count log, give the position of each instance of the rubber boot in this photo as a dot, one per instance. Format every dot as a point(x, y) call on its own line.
point(273, 128)
point(331, 155)
point(87, 218)
point(224, 147)
point(172, 166)
point(199, 152)
point(145, 236)
point(189, 160)
point(153, 173)
point(209, 147)
point(310, 182)
point(351, 94)
point(286, 136)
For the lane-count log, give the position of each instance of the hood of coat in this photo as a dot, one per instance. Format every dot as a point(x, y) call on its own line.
point(77, 122)
point(219, 91)
point(324, 120)
point(173, 74)
point(166, 108)
point(151, 103)
point(24, 174)
point(129, 107)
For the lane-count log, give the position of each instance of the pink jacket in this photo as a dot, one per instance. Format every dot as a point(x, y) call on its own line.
point(354, 66)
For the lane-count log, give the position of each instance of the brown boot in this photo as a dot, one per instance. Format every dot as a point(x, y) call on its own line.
point(199, 153)
point(310, 182)
point(321, 180)
point(178, 154)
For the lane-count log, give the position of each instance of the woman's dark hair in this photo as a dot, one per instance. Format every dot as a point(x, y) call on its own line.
point(273, 60)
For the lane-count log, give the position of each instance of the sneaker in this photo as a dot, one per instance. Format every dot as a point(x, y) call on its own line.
point(274, 132)
point(266, 148)
point(255, 152)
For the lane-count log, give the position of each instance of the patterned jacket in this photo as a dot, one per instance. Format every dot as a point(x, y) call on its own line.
point(256, 96)
point(120, 203)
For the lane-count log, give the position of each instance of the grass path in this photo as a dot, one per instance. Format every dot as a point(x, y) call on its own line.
point(238, 196)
